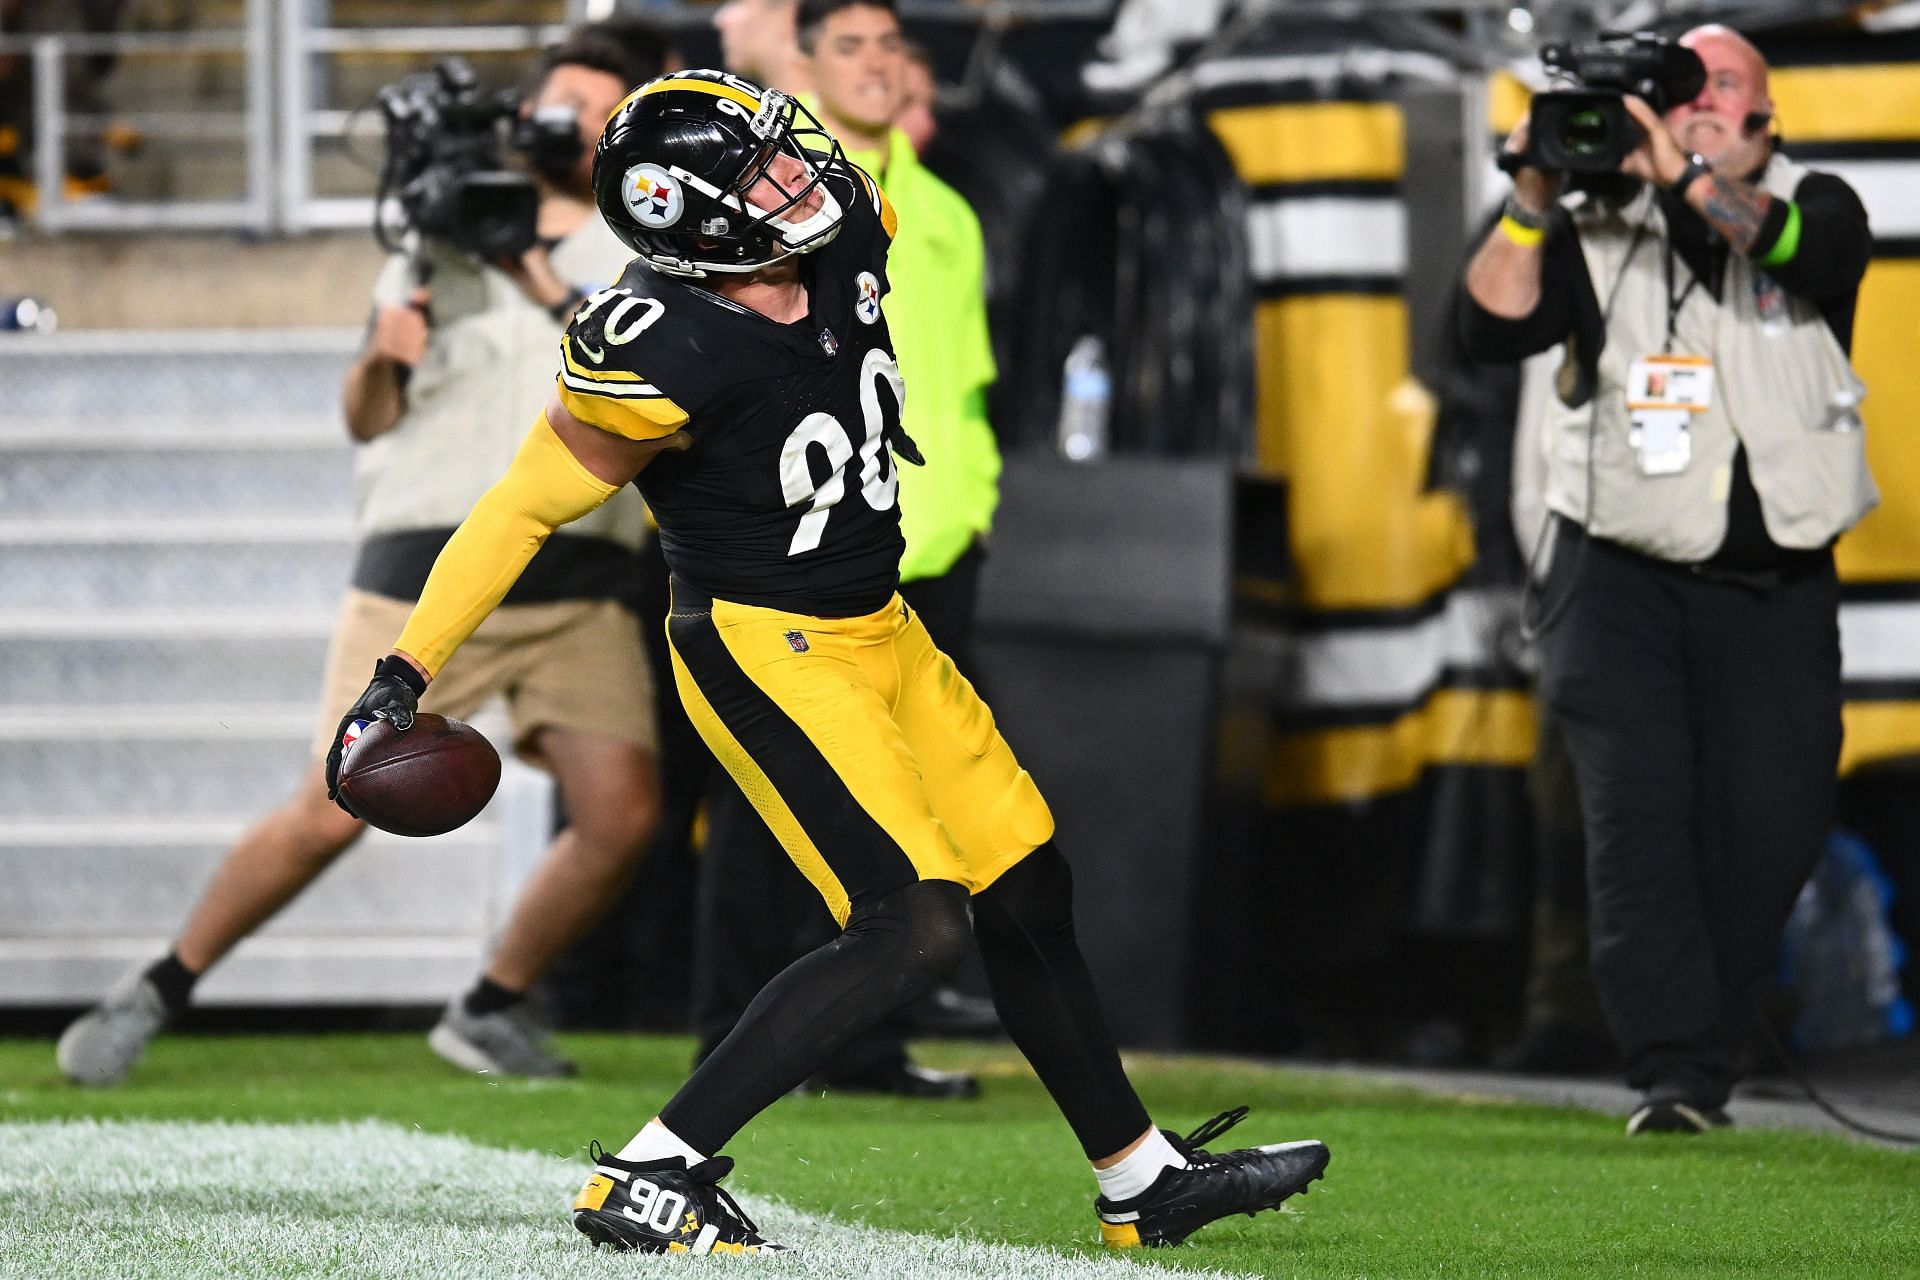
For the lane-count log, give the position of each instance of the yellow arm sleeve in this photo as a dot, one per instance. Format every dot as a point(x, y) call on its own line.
point(545, 488)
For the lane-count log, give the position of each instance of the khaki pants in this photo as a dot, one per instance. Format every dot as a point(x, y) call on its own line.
point(575, 664)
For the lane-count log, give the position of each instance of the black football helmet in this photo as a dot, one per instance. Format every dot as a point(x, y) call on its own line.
point(674, 164)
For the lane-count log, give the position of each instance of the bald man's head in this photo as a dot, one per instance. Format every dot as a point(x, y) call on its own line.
point(1726, 120)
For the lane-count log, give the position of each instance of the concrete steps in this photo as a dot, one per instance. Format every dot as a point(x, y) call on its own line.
point(174, 538)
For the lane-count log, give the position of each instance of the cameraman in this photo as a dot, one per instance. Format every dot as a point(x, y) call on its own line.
point(1703, 454)
point(439, 398)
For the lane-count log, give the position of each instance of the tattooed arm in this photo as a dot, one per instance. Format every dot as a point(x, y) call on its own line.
point(1737, 210)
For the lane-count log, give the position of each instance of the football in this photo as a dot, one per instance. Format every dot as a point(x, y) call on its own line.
point(425, 782)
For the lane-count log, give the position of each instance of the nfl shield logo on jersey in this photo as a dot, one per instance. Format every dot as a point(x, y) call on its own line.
point(796, 642)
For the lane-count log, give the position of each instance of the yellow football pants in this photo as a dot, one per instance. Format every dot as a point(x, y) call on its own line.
point(860, 744)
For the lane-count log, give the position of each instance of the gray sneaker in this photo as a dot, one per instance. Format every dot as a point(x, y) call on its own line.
point(105, 1042)
point(504, 1043)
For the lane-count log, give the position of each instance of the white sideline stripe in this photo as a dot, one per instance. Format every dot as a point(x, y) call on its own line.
point(1889, 188)
point(372, 1199)
point(1293, 236)
point(1327, 68)
point(1394, 666)
point(1880, 640)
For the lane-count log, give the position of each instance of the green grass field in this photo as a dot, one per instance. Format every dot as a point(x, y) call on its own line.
point(1418, 1186)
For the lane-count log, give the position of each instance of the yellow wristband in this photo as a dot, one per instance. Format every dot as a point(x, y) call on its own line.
point(1525, 237)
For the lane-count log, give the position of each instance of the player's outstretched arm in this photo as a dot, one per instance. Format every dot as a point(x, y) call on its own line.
point(565, 469)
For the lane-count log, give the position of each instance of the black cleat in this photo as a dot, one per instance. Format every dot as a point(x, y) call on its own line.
point(662, 1206)
point(1212, 1186)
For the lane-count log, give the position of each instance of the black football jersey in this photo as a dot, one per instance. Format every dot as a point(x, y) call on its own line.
point(787, 497)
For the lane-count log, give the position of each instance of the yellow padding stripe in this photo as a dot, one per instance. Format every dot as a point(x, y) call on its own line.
point(594, 1194)
point(1340, 417)
point(1313, 141)
point(1885, 547)
point(1120, 1235)
point(1878, 731)
point(714, 87)
point(759, 790)
point(1872, 102)
point(1508, 99)
point(1456, 726)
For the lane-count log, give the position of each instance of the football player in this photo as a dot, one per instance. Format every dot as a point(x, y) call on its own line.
point(741, 370)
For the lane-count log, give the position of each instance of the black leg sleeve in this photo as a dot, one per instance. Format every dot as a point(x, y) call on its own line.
point(894, 948)
point(1046, 998)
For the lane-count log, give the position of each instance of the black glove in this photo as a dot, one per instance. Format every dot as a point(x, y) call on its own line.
point(903, 446)
point(393, 696)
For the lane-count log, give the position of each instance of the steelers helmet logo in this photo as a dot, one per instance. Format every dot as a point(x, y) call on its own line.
point(866, 302)
point(652, 196)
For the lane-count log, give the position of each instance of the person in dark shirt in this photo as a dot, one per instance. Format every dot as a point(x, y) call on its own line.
point(1704, 455)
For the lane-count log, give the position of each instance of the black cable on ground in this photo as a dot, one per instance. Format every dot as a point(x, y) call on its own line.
point(1805, 1081)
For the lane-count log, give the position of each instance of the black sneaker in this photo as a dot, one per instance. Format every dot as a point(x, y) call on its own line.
point(1666, 1113)
point(662, 1206)
point(1181, 1201)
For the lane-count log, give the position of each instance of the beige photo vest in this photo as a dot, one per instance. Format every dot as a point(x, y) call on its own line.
point(487, 373)
point(1782, 387)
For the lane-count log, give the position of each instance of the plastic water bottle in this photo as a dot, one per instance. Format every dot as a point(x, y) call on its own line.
point(1842, 959)
point(27, 315)
point(1085, 401)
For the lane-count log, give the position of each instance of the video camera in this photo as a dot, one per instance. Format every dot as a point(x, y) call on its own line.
point(1583, 126)
point(443, 164)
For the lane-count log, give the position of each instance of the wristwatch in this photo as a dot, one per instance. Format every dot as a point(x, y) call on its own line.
point(1697, 167)
point(1524, 216)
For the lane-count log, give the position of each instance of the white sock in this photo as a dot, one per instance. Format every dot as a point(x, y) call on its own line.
point(1136, 1172)
point(657, 1142)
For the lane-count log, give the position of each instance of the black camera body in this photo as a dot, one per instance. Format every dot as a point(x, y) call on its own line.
point(1583, 127)
point(444, 165)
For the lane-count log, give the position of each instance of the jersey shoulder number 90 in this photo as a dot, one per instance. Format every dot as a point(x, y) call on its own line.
point(621, 371)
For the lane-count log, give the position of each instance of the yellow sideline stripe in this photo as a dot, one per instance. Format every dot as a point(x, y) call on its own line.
point(1313, 141)
point(1859, 102)
point(713, 87)
point(1456, 726)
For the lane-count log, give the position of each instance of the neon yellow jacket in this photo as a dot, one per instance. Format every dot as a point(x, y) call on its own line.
point(937, 314)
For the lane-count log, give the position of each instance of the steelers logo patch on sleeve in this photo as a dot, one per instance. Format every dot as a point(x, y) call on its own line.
point(866, 303)
point(652, 196)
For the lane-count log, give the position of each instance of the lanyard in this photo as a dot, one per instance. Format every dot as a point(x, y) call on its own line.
point(1675, 303)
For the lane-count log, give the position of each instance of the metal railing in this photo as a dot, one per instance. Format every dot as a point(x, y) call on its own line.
point(279, 119)
point(48, 53)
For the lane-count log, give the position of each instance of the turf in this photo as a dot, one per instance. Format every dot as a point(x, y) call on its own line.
point(1418, 1186)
